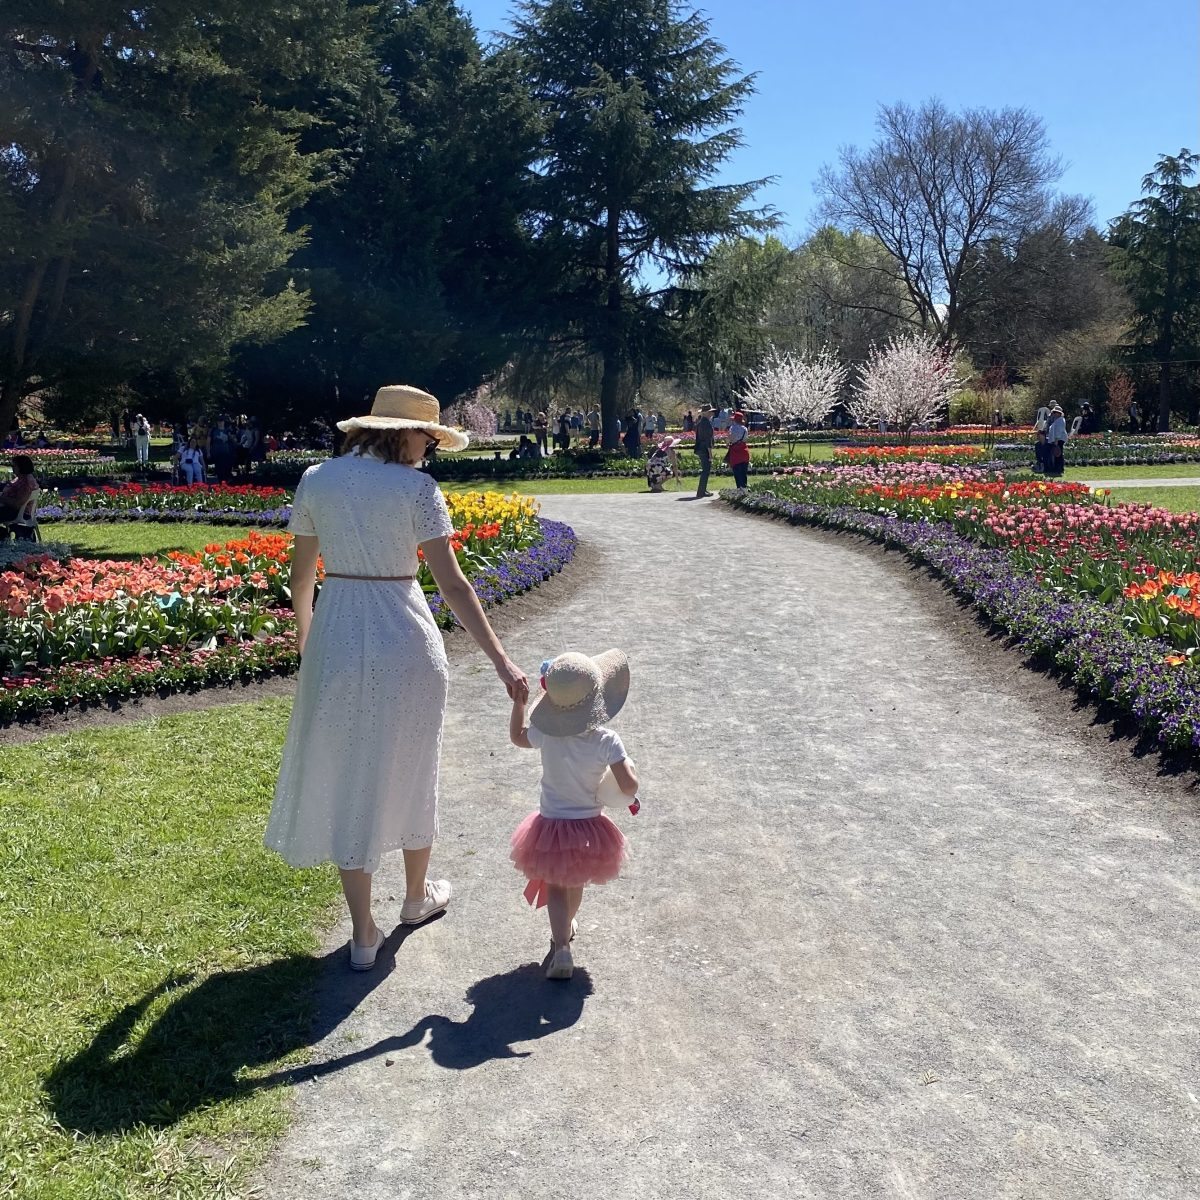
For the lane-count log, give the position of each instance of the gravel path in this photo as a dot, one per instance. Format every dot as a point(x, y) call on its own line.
point(887, 931)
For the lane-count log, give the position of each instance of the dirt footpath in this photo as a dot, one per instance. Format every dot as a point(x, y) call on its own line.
point(895, 926)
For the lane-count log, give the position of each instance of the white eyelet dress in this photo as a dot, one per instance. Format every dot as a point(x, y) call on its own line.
point(360, 765)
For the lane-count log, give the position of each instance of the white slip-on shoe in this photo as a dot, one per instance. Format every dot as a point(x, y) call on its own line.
point(362, 958)
point(437, 896)
point(562, 965)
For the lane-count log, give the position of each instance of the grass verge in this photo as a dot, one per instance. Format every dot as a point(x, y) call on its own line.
point(137, 538)
point(1177, 499)
point(155, 960)
point(1163, 471)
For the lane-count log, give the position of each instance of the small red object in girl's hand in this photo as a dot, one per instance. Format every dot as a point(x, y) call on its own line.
point(636, 806)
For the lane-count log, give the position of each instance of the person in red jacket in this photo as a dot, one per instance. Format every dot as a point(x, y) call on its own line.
point(738, 454)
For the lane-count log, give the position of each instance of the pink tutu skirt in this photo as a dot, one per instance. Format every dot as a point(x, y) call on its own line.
point(558, 853)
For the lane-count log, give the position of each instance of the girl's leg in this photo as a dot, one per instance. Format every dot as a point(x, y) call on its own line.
point(416, 863)
point(574, 899)
point(562, 904)
point(356, 885)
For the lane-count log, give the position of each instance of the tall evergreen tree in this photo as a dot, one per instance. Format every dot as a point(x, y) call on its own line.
point(152, 159)
point(1158, 259)
point(417, 258)
point(636, 101)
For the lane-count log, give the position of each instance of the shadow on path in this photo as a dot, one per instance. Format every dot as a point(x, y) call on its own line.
point(199, 1049)
point(515, 1006)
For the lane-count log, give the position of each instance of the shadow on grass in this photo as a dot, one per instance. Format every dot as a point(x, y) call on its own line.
point(212, 1042)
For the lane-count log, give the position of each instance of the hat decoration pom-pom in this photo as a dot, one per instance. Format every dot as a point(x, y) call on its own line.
point(542, 671)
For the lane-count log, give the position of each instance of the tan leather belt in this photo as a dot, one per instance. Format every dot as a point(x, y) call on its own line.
point(374, 578)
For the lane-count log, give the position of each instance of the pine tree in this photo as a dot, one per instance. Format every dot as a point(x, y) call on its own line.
point(418, 257)
point(1158, 244)
point(636, 102)
point(153, 159)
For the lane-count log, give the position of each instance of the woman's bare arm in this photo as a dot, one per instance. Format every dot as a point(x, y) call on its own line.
point(303, 584)
point(457, 591)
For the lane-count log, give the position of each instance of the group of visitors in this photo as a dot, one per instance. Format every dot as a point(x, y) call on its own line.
point(359, 775)
point(218, 452)
point(1050, 439)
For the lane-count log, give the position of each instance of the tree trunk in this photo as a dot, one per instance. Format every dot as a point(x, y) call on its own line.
point(1164, 397)
point(610, 382)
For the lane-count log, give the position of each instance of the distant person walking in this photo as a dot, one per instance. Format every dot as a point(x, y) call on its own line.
point(593, 424)
point(141, 439)
point(191, 463)
point(703, 447)
point(633, 434)
point(738, 454)
point(541, 427)
point(1056, 440)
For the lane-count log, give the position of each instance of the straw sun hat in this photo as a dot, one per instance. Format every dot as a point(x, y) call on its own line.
point(402, 407)
point(581, 692)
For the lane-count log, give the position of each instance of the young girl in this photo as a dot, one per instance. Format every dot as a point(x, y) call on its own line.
point(570, 843)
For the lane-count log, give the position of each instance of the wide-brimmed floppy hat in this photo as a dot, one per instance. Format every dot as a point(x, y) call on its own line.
point(669, 443)
point(402, 407)
point(581, 692)
point(706, 408)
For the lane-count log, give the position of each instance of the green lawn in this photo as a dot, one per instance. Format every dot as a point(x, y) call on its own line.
point(137, 538)
point(155, 960)
point(1177, 499)
point(1165, 471)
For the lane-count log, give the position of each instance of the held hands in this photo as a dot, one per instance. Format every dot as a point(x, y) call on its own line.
point(516, 684)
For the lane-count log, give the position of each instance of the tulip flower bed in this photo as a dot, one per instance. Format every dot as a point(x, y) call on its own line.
point(210, 504)
point(83, 630)
point(1110, 594)
point(898, 454)
point(70, 464)
point(1108, 450)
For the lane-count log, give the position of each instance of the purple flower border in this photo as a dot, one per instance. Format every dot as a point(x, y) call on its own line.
point(188, 670)
point(1081, 637)
point(251, 517)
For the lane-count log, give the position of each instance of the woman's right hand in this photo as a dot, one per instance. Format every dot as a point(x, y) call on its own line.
point(515, 681)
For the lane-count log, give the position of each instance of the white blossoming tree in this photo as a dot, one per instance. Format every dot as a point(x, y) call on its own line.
point(908, 381)
point(795, 390)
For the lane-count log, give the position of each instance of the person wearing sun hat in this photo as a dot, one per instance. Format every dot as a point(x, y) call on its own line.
point(738, 454)
point(359, 775)
point(570, 842)
point(662, 463)
point(1056, 439)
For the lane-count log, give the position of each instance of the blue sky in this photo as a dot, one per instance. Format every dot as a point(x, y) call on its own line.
point(1115, 84)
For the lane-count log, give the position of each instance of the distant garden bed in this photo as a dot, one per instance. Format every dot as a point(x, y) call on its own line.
point(77, 631)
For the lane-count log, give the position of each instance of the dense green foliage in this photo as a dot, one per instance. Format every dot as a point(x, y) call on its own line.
point(1158, 259)
point(153, 161)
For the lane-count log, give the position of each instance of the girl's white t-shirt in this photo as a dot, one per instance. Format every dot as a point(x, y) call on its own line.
point(572, 768)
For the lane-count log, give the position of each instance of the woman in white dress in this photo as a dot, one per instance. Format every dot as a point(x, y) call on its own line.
point(360, 765)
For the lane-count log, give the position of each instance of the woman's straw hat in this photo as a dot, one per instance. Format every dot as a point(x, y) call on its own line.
point(581, 692)
point(402, 407)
